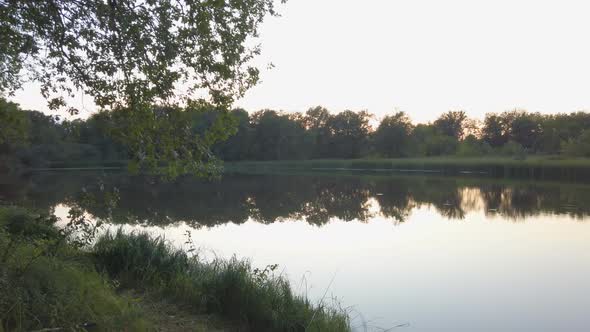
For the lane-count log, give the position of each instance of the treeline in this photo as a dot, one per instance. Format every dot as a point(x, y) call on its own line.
point(38, 140)
point(33, 139)
point(318, 133)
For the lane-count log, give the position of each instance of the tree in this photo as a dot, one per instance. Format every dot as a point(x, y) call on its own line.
point(451, 123)
point(393, 135)
point(277, 136)
point(428, 141)
point(237, 147)
point(470, 146)
point(494, 130)
point(316, 118)
point(349, 133)
point(580, 146)
point(130, 55)
point(14, 126)
point(316, 123)
point(523, 128)
point(559, 129)
point(95, 131)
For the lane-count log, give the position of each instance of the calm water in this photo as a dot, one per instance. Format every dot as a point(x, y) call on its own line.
point(426, 253)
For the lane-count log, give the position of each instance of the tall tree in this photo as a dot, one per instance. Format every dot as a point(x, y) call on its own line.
point(523, 128)
point(392, 137)
point(494, 130)
point(14, 126)
point(349, 133)
point(277, 136)
point(451, 123)
point(237, 147)
point(427, 140)
point(131, 54)
point(316, 122)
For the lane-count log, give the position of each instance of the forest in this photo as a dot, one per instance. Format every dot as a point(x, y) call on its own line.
point(31, 139)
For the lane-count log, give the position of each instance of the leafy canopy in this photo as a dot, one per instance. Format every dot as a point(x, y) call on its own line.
point(132, 54)
point(131, 51)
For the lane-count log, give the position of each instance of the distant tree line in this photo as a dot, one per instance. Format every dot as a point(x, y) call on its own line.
point(31, 138)
point(318, 133)
point(36, 139)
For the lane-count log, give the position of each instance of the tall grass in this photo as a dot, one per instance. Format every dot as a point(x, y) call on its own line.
point(259, 300)
point(47, 284)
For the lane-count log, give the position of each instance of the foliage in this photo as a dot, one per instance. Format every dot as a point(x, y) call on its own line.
point(428, 141)
point(315, 122)
point(14, 127)
point(451, 123)
point(392, 137)
point(237, 146)
point(172, 141)
point(131, 52)
point(472, 147)
point(132, 56)
point(49, 283)
point(349, 133)
point(494, 131)
point(276, 136)
point(518, 126)
point(580, 146)
point(257, 298)
point(165, 140)
point(162, 139)
point(513, 149)
point(523, 128)
point(45, 283)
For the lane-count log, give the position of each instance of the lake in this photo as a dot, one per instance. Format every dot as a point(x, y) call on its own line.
point(407, 253)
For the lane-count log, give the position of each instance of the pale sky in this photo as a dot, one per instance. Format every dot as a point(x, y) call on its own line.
point(420, 56)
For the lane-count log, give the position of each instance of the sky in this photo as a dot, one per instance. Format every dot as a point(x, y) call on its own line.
point(423, 57)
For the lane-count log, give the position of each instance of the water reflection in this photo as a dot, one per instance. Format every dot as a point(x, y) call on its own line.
point(446, 265)
point(316, 199)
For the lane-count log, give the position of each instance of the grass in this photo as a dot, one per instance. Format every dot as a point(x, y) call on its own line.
point(259, 300)
point(47, 283)
point(537, 167)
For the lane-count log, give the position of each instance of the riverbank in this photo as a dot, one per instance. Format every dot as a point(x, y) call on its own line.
point(534, 167)
point(50, 281)
point(551, 168)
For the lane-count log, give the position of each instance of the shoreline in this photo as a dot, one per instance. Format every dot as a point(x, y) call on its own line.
point(535, 167)
point(50, 280)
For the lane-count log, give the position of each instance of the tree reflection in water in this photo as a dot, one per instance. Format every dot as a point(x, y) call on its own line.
point(316, 199)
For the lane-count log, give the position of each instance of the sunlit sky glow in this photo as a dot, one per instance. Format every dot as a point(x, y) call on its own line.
point(420, 56)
